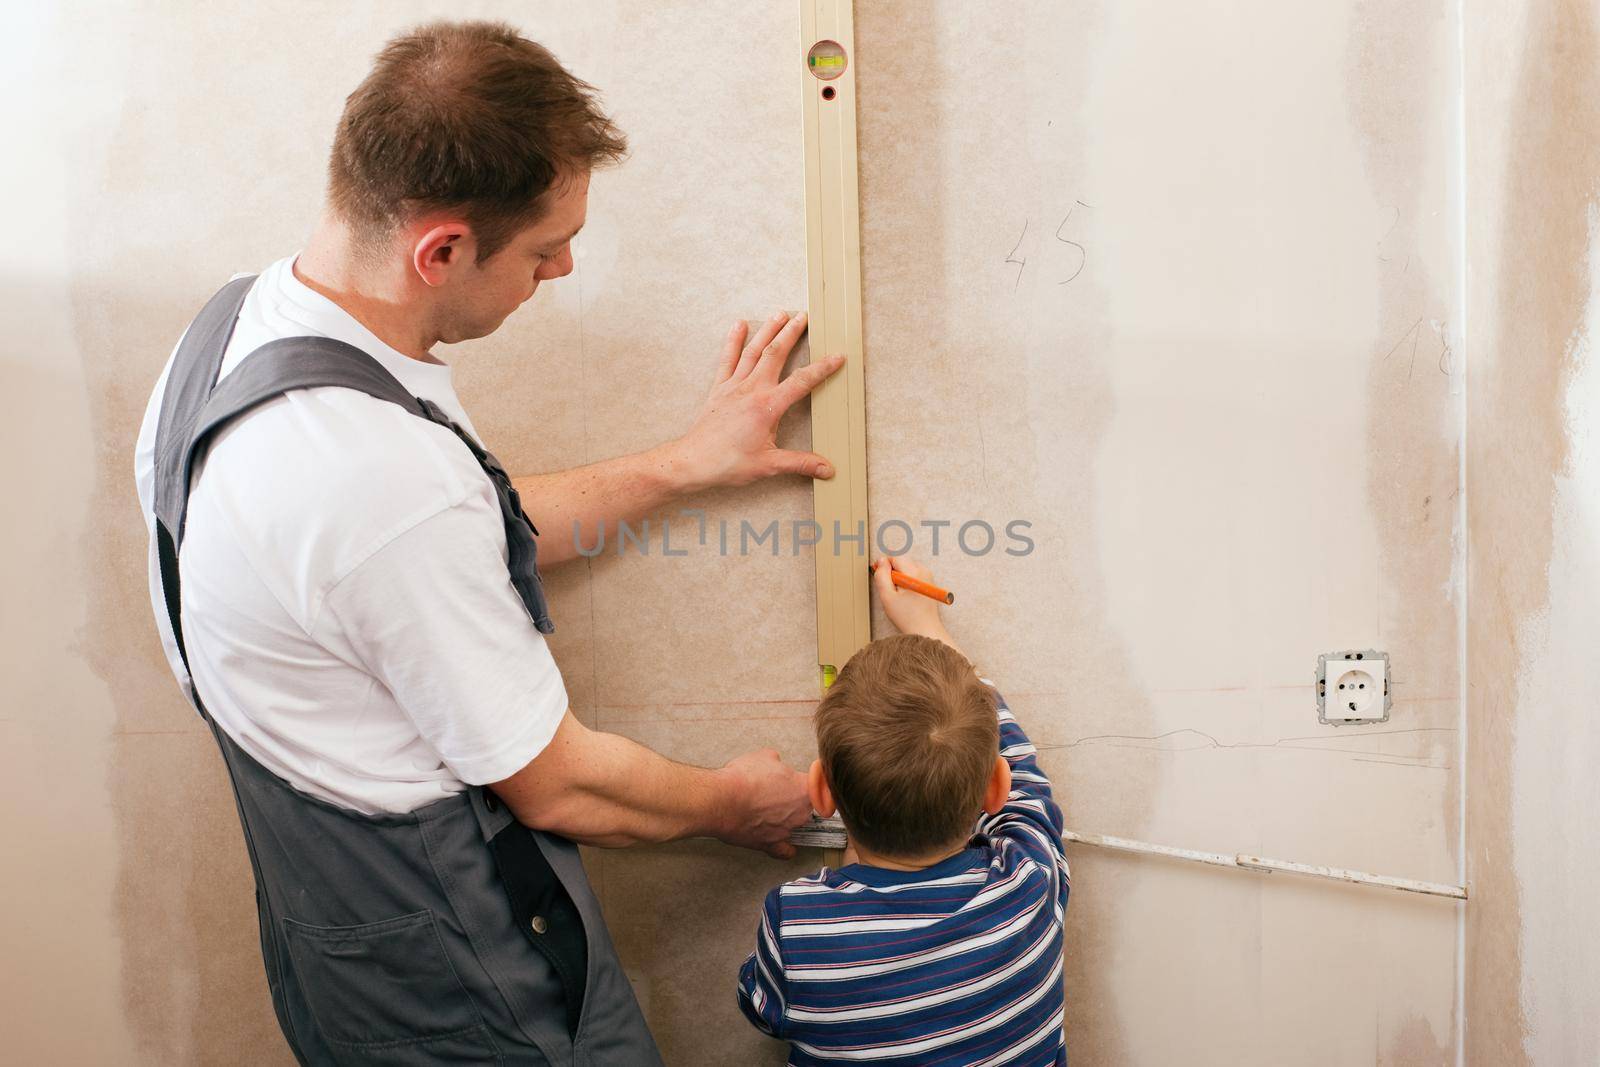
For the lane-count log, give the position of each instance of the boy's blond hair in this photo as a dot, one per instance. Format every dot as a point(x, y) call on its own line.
point(908, 738)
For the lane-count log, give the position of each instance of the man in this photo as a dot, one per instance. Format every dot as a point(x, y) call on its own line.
point(360, 616)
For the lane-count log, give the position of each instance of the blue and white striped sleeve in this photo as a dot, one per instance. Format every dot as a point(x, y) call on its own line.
point(1031, 816)
point(763, 991)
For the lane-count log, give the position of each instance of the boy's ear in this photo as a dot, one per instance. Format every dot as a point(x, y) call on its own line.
point(817, 789)
point(999, 787)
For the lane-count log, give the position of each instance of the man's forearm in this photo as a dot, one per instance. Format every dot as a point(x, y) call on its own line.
point(602, 789)
point(576, 507)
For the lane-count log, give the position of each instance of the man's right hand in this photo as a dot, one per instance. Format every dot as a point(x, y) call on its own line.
point(767, 800)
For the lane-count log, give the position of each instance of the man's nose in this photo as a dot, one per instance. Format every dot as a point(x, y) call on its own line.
point(559, 267)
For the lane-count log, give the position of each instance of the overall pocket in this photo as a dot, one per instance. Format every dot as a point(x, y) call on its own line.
point(385, 992)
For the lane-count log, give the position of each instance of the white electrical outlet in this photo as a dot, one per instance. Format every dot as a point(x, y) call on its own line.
point(1353, 687)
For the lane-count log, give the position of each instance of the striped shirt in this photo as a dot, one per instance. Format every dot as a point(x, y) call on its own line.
point(955, 964)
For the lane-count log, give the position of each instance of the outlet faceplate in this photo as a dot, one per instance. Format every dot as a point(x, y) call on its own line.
point(1353, 687)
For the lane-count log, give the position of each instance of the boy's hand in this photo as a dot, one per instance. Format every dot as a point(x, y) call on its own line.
point(911, 613)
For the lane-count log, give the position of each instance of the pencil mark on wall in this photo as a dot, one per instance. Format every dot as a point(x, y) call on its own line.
point(1403, 762)
point(1083, 254)
point(1385, 237)
point(1080, 251)
point(1202, 740)
point(1412, 334)
point(1022, 264)
point(1412, 339)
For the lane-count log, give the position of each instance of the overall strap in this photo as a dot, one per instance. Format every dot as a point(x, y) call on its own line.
point(310, 362)
point(266, 374)
point(195, 407)
point(521, 548)
point(190, 379)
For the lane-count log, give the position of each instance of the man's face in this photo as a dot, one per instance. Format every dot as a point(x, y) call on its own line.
point(490, 291)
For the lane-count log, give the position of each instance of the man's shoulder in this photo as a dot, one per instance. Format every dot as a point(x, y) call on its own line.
point(311, 484)
point(350, 445)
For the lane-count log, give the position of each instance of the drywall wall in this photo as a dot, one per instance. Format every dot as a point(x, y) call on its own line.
point(1185, 281)
point(58, 831)
point(1172, 286)
point(1533, 493)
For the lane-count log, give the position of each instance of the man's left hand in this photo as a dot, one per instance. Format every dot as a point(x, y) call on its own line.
point(734, 438)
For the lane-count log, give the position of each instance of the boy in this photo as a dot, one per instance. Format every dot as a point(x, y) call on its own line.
point(939, 942)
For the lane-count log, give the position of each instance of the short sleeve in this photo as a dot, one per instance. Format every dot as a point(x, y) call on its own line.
point(432, 615)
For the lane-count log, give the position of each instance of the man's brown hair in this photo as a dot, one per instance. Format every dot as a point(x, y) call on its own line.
point(908, 737)
point(464, 115)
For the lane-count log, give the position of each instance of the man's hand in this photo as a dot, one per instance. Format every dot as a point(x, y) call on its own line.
point(733, 442)
point(601, 789)
point(911, 613)
point(734, 438)
point(768, 799)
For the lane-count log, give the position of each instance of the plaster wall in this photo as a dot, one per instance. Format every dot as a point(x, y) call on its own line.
point(1532, 976)
point(1173, 285)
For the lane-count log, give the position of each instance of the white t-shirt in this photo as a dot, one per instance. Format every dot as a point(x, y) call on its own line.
point(348, 614)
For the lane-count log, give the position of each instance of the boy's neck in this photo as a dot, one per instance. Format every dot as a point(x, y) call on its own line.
point(905, 863)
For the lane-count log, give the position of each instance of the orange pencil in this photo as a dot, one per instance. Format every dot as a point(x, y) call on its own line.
point(917, 585)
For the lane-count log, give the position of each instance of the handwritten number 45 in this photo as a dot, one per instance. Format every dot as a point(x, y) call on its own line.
point(1022, 261)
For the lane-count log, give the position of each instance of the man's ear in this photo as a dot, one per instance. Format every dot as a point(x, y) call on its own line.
point(999, 787)
point(441, 248)
point(817, 788)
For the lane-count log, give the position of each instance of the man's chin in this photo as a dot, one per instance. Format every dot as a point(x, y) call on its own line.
point(475, 331)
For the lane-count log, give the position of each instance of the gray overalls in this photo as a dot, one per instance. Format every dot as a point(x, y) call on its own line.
point(451, 934)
